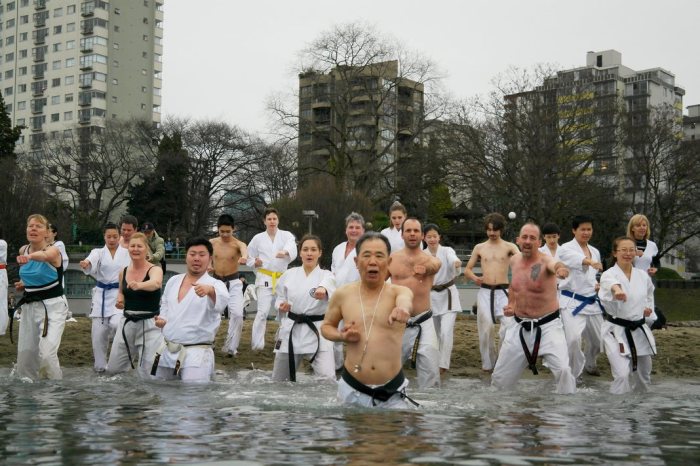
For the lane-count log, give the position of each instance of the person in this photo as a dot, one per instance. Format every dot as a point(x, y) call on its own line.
point(444, 297)
point(139, 297)
point(4, 316)
point(269, 252)
point(627, 294)
point(190, 315)
point(397, 214)
point(494, 255)
point(127, 227)
point(44, 306)
point(534, 303)
point(169, 246)
point(344, 268)
point(581, 311)
point(646, 258)
point(415, 269)
point(229, 252)
point(104, 265)
point(52, 240)
point(302, 300)
point(373, 331)
point(156, 245)
point(551, 235)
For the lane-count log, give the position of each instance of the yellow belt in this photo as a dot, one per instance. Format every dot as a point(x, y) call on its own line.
point(274, 275)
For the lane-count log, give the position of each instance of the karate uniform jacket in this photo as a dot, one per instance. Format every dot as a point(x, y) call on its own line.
point(263, 247)
point(394, 237)
point(439, 300)
point(581, 279)
point(105, 268)
point(344, 268)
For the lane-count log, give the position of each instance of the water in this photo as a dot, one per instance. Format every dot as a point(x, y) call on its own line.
point(245, 419)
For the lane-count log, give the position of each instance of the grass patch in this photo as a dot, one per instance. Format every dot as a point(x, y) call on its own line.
point(679, 304)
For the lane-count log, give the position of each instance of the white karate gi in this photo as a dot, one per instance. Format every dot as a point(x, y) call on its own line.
point(394, 237)
point(553, 350)
point(586, 324)
point(4, 318)
point(235, 316)
point(348, 395)
point(640, 295)
point(261, 246)
point(37, 356)
point(294, 287)
point(485, 323)
point(444, 315)
point(193, 321)
point(345, 271)
point(643, 262)
point(64, 262)
point(428, 354)
point(105, 316)
point(545, 249)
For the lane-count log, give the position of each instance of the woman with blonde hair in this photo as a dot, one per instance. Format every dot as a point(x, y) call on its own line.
point(646, 257)
point(44, 306)
point(139, 295)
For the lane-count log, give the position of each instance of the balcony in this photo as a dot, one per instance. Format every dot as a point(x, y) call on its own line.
point(39, 4)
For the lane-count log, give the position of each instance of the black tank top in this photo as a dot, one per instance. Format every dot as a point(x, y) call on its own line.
point(141, 300)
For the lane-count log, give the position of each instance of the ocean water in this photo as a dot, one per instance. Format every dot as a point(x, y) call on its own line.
point(245, 419)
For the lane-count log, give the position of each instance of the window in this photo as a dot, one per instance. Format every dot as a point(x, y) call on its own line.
point(22, 71)
point(70, 45)
point(24, 3)
point(67, 132)
point(11, 6)
point(68, 98)
point(57, 47)
point(70, 27)
point(55, 117)
point(55, 82)
point(57, 29)
point(58, 12)
point(70, 9)
point(10, 57)
point(56, 65)
point(23, 53)
point(115, 45)
point(8, 108)
point(24, 19)
point(10, 23)
point(70, 62)
point(145, 20)
point(8, 91)
point(22, 105)
point(115, 81)
point(144, 71)
point(20, 122)
point(23, 36)
point(55, 99)
point(145, 37)
point(117, 11)
point(21, 88)
point(143, 106)
point(69, 80)
point(67, 116)
point(9, 74)
point(114, 99)
point(115, 63)
point(144, 54)
point(144, 89)
point(10, 40)
point(116, 28)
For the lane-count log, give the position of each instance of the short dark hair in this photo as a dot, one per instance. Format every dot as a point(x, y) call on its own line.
point(130, 220)
point(431, 227)
point(579, 219)
point(270, 210)
point(414, 219)
point(496, 220)
point(550, 229)
point(109, 226)
point(225, 219)
point(372, 235)
point(310, 237)
point(199, 241)
point(53, 229)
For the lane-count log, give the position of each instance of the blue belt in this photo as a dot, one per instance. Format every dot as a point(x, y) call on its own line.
point(105, 287)
point(585, 301)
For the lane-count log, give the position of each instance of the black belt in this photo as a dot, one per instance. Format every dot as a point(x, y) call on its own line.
point(382, 393)
point(629, 326)
point(492, 298)
point(33, 298)
point(534, 325)
point(176, 370)
point(301, 319)
point(416, 323)
point(135, 316)
point(444, 287)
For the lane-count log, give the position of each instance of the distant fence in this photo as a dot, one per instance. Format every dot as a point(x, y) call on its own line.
point(685, 284)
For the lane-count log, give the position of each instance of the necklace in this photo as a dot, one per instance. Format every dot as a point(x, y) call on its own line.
point(358, 366)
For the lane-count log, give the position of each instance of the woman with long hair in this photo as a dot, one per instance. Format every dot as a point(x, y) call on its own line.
point(646, 255)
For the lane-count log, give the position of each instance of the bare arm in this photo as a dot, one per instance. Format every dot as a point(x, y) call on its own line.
point(403, 308)
point(468, 270)
point(154, 282)
point(244, 252)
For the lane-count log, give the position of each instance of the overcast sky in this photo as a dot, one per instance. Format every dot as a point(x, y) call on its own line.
point(223, 59)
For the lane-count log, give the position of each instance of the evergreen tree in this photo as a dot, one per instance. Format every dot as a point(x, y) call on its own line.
point(8, 135)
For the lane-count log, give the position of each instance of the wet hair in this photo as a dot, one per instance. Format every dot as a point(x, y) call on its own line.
point(616, 245)
point(636, 220)
point(355, 217)
point(129, 220)
point(110, 226)
point(579, 219)
point(199, 241)
point(550, 229)
point(270, 210)
point(430, 227)
point(413, 219)
point(496, 220)
point(225, 220)
point(369, 236)
point(397, 206)
point(309, 237)
point(39, 218)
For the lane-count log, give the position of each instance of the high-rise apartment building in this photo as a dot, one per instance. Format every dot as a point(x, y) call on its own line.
point(70, 66)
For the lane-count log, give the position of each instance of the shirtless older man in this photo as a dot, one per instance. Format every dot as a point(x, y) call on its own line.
point(375, 313)
point(416, 269)
point(229, 252)
point(534, 303)
point(494, 255)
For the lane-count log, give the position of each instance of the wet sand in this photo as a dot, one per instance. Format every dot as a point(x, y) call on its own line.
point(678, 351)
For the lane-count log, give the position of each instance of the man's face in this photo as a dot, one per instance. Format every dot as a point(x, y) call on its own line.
point(353, 231)
point(492, 233)
point(271, 221)
point(397, 217)
point(127, 229)
point(583, 233)
point(552, 239)
point(197, 259)
point(412, 234)
point(225, 231)
point(373, 261)
point(529, 240)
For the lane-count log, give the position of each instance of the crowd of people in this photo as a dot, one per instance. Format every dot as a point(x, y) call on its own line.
point(389, 298)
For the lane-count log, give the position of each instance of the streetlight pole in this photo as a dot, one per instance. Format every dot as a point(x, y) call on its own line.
point(311, 215)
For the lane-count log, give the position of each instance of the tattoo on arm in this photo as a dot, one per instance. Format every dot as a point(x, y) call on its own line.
point(535, 271)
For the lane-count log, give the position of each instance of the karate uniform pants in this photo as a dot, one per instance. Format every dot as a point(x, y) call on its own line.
point(235, 315)
point(427, 359)
point(37, 356)
point(103, 332)
point(348, 395)
point(203, 373)
point(553, 350)
point(581, 328)
point(444, 327)
point(144, 340)
point(265, 302)
point(624, 379)
point(485, 325)
point(4, 318)
point(323, 365)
